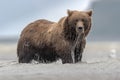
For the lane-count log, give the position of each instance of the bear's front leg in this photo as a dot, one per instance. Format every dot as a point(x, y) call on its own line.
point(79, 50)
point(66, 58)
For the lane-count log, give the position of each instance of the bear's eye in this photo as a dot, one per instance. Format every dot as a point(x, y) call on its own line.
point(76, 20)
point(84, 20)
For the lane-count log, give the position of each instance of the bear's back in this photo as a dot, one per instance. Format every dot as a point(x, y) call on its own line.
point(39, 25)
point(37, 32)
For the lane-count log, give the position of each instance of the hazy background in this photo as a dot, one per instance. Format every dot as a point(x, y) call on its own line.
point(106, 21)
point(16, 14)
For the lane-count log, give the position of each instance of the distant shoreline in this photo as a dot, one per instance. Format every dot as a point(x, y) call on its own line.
point(9, 40)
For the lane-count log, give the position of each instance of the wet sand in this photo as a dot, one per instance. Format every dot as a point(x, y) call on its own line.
point(101, 61)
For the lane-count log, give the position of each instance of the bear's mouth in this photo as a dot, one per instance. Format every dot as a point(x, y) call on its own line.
point(80, 36)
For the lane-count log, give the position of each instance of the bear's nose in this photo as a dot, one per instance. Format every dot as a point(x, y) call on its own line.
point(80, 28)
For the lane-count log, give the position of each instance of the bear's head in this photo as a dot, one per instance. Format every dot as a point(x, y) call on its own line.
point(80, 21)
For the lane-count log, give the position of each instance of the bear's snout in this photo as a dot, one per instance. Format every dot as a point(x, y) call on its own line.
point(80, 28)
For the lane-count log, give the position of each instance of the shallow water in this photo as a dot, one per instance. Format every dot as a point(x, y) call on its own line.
point(101, 61)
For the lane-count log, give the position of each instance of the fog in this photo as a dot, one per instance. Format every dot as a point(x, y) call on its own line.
point(15, 15)
point(105, 21)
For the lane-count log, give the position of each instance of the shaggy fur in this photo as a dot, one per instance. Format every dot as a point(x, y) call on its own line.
point(47, 41)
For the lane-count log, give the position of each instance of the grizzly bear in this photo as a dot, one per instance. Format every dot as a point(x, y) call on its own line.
point(47, 41)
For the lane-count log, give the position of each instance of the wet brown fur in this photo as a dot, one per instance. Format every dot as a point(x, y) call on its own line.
point(47, 41)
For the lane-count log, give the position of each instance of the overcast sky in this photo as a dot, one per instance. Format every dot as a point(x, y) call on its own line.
point(16, 14)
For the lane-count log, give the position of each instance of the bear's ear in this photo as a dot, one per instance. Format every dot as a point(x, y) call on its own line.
point(89, 13)
point(69, 12)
